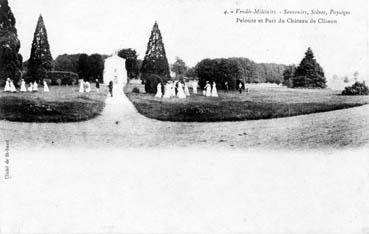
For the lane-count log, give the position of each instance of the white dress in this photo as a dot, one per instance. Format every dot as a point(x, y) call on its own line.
point(214, 91)
point(208, 90)
point(35, 87)
point(23, 86)
point(172, 90)
point(88, 87)
point(46, 87)
point(81, 86)
point(30, 88)
point(187, 92)
point(167, 91)
point(194, 87)
point(181, 94)
point(12, 87)
point(7, 86)
point(159, 94)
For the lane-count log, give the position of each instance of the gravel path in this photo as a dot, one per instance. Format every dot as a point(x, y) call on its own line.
point(120, 126)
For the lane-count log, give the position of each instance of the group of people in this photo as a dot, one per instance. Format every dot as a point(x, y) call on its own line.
point(32, 87)
point(85, 86)
point(181, 90)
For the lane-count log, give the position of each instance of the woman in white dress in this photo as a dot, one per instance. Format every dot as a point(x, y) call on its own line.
point(35, 87)
point(181, 94)
point(167, 90)
point(172, 89)
point(30, 87)
point(7, 85)
point(12, 87)
point(194, 86)
point(159, 93)
point(88, 87)
point(207, 89)
point(23, 86)
point(81, 86)
point(214, 91)
point(186, 90)
point(46, 87)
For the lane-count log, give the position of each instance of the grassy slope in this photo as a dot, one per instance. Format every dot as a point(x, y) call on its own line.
point(62, 104)
point(260, 103)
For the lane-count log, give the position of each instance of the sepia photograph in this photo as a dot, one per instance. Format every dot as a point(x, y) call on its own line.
point(184, 116)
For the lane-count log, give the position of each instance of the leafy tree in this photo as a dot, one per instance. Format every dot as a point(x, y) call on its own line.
point(191, 73)
point(179, 67)
point(309, 73)
point(288, 75)
point(40, 61)
point(83, 67)
point(356, 89)
point(10, 59)
point(155, 61)
point(95, 67)
point(67, 62)
point(132, 65)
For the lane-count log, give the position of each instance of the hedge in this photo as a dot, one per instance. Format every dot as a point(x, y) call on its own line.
point(67, 78)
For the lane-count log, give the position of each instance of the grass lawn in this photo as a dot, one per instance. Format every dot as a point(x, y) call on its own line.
point(260, 103)
point(62, 104)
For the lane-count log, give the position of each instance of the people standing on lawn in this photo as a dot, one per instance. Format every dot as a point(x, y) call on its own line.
point(46, 87)
point(173, 89)
point(240, 87)
point(30, 87)
point(87, 87)
point(207, 89)
point(214, 91)
point(159, 93)
point(12, 87)
point(7, 85)
point(97, 86)
point(111, 88)
point(180, 92)
point(35, 87)
point(167, 90)
point(194, 86)
point(81, 86)
point(186, 90)
point(23, 86)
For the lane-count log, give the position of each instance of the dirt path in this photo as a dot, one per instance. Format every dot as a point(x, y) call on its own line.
point(120, 126)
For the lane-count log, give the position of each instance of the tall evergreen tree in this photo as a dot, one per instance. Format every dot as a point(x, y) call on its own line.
point(10, 59)
point(40, 61)
point(309, 73)
point(155, 61)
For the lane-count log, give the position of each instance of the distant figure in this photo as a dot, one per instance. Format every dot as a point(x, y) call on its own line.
point(186, 90)
point(46, 87)
point(81, 86)
point(226, 86)
point(214, 91)
point(172, 89)
point(176, 88)
point(111, 88)
point(23, 86)
point(12, 87)
point(180, 93)
point(207, 89)
point(88, 87)
point(240, 87)
point(30, 87)
point(7, 85)
point(194, 86)
point(167, 90)
point(97, 86)
point(159, 93)
point(35, 87)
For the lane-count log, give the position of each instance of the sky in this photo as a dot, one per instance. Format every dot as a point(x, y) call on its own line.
point(198, 29)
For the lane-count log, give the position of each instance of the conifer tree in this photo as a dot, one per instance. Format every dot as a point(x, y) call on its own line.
point(309, 73)
point(10, 59)
point(155, 61)
point(40, 61)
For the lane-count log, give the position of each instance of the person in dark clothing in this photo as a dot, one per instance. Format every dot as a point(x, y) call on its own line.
point(97, 86)
point(240, 86)
point(111, 88)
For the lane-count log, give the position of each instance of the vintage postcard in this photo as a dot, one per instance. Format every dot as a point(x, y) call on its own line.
point(184, 116)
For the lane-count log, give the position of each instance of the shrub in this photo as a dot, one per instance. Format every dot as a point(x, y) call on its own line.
point(67, 78)
point(356, 89)
point(135, 90)
point(152, 82)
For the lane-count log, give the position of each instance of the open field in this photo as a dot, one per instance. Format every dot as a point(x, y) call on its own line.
point(62, 104)
point(259, 103)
